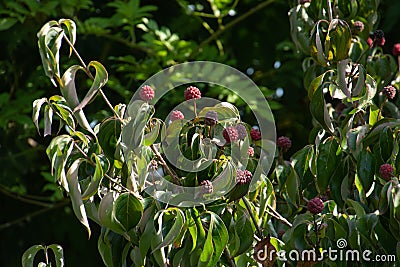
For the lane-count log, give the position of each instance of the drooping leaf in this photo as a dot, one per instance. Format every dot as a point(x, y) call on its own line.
point(319, 110)
point(216, 240)
point(101, 168)
point(338, 40)
point(176, 228)
point(326, 160)
point(107, 215)
point(29, 255)
point(100, 79)
point(366, 169)
point(71, 31)
point(58, 254)
point(37, 104)
point(75, 194)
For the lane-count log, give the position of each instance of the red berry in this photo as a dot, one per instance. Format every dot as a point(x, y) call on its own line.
point(284, 143)
point(176, 115)
point(230, 134)
point(396, 49)
point(250, 151)
point(358, 26)
point(242, 132)
point(389, 91)
point(386, 171)
point(315, 205)
point(380, 42)
point(192, 93)
point(146, 93)
point(255, 134)
point(207, 187)
point(370, 42)
point(243, 177)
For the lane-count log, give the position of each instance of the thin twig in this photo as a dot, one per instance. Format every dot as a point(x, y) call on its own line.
point(90, 74)
point(231, 24)
point(31, 215)
point(277, 216)
point(229, 257)
point(24, 199)
point(165, 165)
point(247, 204)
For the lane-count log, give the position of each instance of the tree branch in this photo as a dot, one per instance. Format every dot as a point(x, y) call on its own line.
point(216, 34)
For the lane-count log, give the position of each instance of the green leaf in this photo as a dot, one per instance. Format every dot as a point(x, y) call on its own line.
point(65, 114)
point(338, 40)
point(319, 110)
point(58, 254)
point(371, 89)
point(108, 135)
point(359, 210)
point(192, 227)
point(6, 23)
point(112, 248)
point(217, 238)
point(107, 215)
point(354, 138)
point(151, 137)
point(317, 50)
point(37, 104)
point(374, 112)
point(100, 79)
point(58, 151)
point(176, 228)
point(128, 210)
point(104, 248)
point(292, 186)
point(29, 255)
point(133, 133)
point(101, 168)
point(68, 90)
point(244, 230)
point(300, 24)
point(71, 31)
point(75, 193)
point(366, 169)
point(48, 120)
point(327, 159)
point(386, 143)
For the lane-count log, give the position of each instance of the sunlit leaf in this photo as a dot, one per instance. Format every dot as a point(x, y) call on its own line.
point(128, 210)
point(29, 255)
point(58, 253)
point(100, 79)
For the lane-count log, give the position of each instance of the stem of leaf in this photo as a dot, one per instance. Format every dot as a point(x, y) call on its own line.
point(229, 257)
point(90, 75)
point(247, 204)
point(316, 231)
point(165, 165)
point(277, 216)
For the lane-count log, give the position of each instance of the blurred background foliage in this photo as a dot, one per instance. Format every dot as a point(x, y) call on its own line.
point(134, 40)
